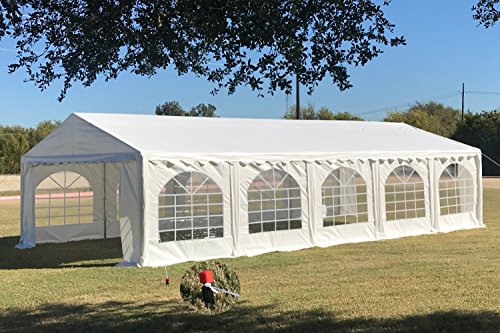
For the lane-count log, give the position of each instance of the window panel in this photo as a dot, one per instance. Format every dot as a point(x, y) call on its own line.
point(167, 236)
point(295, 203)
point(271, 197)
point(268, 216)
point(363, 218)
point(282, 225)
point(254, 206)
point(166, 212)
point(328, 221)
point(344, 193)
point(282, 204)
point(268, 205)
point(200, 210)
point(42, 222)
point(216, 221)
point(182, 211)
point(254, 227)
point(216, 232)
point(269, 226)
point(57, 220)
point(215, 209)
point(215, 198)
point(404, 194)
point(63, 198)
point(201, 199)
point(73, 219)
point(456, 189)
point(183, 200)
point(181, 223)
point(183, 234)
point(167, 224)
point(254, 217)
point(166, 200)
point(200, 233)
point(282, 214)
point(200, 222)
point(195, 201)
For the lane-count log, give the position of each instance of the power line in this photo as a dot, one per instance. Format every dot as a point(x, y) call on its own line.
point(483, 92)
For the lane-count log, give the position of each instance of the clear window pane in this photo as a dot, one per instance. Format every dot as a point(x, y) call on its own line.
point(456, 188)
point(63, 198)
point(404, 194)
point(271, 198)
point(344, 197)
point(195, 201)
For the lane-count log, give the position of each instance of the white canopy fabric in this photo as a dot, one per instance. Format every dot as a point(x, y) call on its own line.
point(128, 159)
point(178, 137)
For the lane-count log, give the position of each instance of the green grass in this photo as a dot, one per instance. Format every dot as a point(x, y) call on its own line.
point(9, 193)
point(433, 283)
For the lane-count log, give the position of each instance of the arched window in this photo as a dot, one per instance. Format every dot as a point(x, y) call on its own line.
point(455, 190)
point(64, 198)
point(190, 207)
point(404, 194)
point(344, 198)
point(273, 202)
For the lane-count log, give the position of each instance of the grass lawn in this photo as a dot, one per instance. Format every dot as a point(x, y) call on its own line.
point(432, 283)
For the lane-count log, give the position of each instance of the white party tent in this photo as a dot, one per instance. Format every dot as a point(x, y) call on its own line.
point(180, 188)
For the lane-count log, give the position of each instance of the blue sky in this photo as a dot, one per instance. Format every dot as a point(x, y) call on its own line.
point(445, 48)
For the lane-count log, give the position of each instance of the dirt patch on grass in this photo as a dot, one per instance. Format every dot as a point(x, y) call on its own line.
point(491, 182)
point(9, 183)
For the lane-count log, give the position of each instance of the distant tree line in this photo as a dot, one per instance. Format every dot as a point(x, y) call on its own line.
point(17, 140)
point(481, 130)
point(173, 108)
point(308, 112)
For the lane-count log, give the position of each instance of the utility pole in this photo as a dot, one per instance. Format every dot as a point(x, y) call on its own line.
point(287, 103)
point(463, 100)
point(297, 94)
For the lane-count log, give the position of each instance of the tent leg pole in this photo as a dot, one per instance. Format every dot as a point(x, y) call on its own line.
point(104, 203)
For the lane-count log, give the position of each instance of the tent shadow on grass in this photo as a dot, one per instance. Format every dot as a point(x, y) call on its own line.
point(89, 253)
point(171, 316)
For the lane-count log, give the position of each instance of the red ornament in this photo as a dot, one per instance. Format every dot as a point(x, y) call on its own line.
point(206, 277)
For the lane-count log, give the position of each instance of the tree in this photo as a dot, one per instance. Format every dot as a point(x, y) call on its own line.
point(16, 141)
point(173, 108)
point(346, 116)
point(202, 110)
point(432, 117)
point(41, 130)
point(324, 113)
point(308, 112)
point(487, 12)
point(482, 130)
point(259, 43)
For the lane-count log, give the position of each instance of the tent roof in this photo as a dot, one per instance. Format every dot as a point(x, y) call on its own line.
point(97, 137)
point(184, 137)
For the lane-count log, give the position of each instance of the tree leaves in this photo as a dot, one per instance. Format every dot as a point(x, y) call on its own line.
point(308, 112)
point(16, 141)
point(173, 108)
point(432, 117)
point(487, 12)
point(257, 43)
